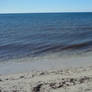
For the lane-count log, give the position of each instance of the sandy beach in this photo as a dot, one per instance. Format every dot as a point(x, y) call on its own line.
point(62, 80)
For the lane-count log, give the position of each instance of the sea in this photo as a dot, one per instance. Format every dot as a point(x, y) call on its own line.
point(31, 35)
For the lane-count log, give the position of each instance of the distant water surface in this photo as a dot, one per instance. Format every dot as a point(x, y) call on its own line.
point(31, 35)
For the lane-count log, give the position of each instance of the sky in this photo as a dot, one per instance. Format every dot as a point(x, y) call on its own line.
point(36, 6)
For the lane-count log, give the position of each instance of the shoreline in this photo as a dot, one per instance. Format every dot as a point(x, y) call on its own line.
point(45, 63)
point(66, 80)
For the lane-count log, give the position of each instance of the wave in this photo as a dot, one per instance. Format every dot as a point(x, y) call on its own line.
point(59, 48)
point(17, 50)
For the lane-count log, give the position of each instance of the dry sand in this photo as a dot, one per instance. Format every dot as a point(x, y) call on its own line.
point(67, 80)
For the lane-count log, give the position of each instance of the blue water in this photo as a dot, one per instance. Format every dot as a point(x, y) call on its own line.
point(29, 35)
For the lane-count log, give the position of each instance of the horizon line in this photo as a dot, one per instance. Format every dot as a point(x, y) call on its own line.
point(47, 12)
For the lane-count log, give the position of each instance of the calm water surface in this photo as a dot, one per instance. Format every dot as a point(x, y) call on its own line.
point(31, 35)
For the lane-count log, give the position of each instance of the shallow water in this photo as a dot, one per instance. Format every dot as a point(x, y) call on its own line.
point(44, 63)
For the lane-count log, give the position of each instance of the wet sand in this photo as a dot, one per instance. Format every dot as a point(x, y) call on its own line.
point(44, 63)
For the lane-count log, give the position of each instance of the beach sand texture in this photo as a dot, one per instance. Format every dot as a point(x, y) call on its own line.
point(67, 80)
